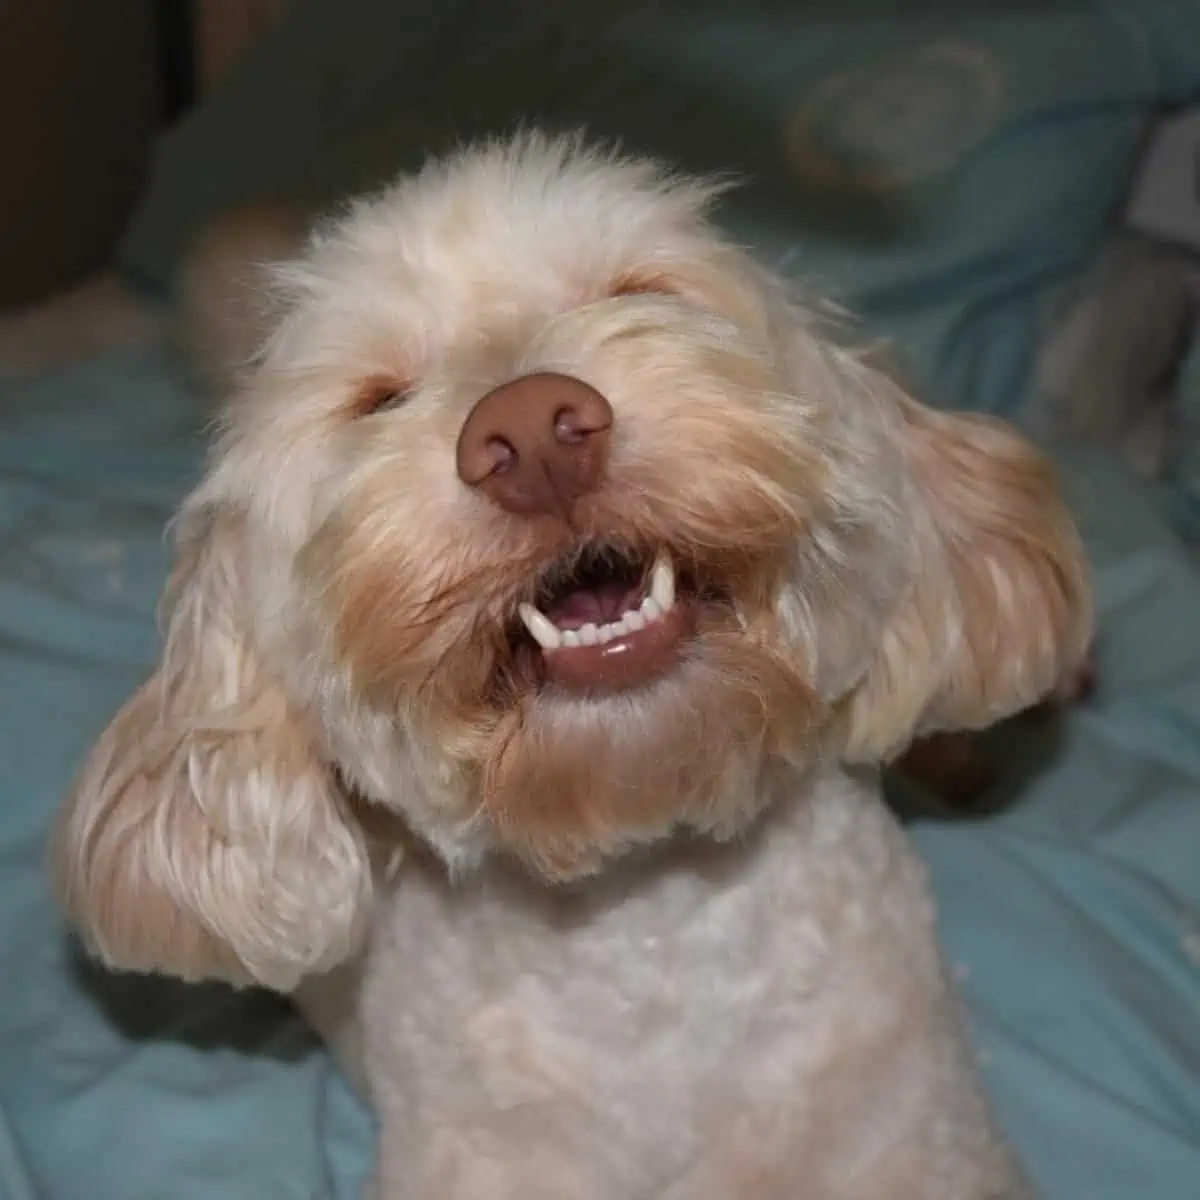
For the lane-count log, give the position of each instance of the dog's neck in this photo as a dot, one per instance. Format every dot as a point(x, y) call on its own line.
point(715, 853)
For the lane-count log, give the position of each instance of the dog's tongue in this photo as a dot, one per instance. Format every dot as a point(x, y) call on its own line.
point(599, 605)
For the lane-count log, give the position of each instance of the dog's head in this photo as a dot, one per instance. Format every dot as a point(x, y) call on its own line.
point(548, 521)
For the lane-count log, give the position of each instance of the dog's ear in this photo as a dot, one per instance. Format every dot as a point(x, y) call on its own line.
point(996, 606)
point(204, 838)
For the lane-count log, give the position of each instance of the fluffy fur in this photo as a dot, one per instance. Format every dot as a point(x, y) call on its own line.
point(659, 943)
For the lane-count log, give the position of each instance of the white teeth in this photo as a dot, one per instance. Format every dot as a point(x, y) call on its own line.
point(662, 581)
point(544, 631)
point(607, 633)
point(657, 604)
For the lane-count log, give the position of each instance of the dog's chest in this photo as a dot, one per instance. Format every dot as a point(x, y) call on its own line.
point(654, 1007)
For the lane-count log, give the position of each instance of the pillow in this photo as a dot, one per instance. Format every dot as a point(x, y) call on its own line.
point(1183, 484)
point(934, 171)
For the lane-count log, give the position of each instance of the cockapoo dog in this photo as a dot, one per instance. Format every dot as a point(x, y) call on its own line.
point(556, 586)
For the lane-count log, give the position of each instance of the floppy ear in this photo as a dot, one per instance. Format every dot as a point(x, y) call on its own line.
point(997, 607)
point(204, 837)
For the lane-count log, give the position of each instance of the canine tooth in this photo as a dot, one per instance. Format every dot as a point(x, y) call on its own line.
point(633, 621)
point(544, 631)
point(662, 581)
point(570, 637)
point(589, 635)
point(650, 609)
point(606, 633)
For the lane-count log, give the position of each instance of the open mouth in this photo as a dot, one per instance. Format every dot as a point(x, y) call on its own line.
point(609, 620)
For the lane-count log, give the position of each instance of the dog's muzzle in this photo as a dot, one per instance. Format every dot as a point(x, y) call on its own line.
point(534, 447)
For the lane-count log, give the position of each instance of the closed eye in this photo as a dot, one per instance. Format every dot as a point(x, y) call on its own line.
point(380, 395)
point(643, 283)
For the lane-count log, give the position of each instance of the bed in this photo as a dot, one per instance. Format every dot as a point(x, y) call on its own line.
point(946, 175)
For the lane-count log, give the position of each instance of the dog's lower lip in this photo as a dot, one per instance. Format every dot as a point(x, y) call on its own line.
point(629, 661)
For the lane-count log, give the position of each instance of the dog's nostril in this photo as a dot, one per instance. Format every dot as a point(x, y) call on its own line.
point(501, 455)
point(571, 427)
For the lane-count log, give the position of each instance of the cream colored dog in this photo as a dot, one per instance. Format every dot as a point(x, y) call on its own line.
point(551, 542)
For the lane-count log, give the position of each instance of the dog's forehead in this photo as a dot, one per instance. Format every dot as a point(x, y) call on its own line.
point(546, 202)
point(519, 225)
point(475, 255)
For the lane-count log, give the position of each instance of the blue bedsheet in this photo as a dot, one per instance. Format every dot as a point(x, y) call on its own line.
point(1073, 920)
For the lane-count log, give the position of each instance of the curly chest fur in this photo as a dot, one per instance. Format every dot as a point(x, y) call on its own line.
point(766, 1018)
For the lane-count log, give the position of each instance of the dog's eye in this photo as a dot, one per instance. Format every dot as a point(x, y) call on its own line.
point(379, 395)
point(643, 283)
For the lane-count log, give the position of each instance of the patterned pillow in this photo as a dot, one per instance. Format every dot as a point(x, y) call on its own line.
point(936, 171)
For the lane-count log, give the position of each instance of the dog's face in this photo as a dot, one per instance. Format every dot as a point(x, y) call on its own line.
point(533, 488)
point(549, 522)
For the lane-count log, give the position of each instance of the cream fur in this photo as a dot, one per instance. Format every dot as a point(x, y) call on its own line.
point(664, 945)
point(766, 1019)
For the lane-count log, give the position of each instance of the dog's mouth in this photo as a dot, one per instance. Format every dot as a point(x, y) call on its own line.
point(609, 618)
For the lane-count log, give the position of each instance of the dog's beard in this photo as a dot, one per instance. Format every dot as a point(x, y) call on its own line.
point(563, 779)
point(569, 779)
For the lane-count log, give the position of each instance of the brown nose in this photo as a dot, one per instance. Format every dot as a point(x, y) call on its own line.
point(536, 444)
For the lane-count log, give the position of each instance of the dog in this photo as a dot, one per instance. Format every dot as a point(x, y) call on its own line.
point(557, 585)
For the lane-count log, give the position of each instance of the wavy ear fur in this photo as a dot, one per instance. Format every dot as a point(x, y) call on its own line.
point(204, 837)
point(997, 608)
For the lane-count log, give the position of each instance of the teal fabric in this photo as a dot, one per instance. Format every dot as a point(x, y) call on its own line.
point(1073, 920)
point(936, 165)
point(109, 1086)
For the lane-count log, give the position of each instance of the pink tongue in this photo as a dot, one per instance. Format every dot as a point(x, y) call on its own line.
point(592, 606)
